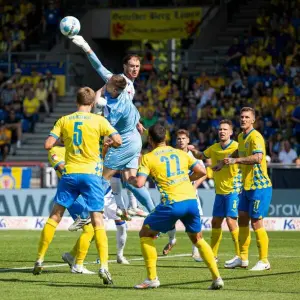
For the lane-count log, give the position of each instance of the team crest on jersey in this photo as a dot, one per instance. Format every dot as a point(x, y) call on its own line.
point(7, 182)
point(247, 145)
point(54, 157)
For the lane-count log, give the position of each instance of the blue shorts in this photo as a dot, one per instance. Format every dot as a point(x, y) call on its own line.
point(89, 186)
point(79, 209)
point(127, 155)
point(226, 205)
point(256, 202)
point(165, 216)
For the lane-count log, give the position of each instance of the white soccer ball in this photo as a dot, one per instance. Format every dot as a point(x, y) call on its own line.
point(69, 26)
point(99, 105)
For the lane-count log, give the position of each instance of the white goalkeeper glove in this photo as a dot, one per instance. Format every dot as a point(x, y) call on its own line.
point(79, 41)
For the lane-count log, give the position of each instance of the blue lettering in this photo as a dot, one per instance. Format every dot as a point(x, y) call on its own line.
point(288, 224)
point(39, 223)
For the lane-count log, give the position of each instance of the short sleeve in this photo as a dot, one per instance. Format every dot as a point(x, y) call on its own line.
point(106, 129)
point(257, 144)
point(54, 159)
point(207, 152)
point(56, 130)
point(192, 162)
point(144, 169)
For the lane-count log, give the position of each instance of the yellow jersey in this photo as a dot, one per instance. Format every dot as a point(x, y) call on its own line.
point(56, 156)
point(83, 134)
point(229, 179)
point(169, 168)
point(254, 176)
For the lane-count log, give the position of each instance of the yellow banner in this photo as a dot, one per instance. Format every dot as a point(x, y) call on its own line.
point(154, 24)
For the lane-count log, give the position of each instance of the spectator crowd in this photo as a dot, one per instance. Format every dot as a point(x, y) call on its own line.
point(262, 70)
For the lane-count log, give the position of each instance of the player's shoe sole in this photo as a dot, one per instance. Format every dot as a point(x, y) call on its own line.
point(105, 276)
point(37, 268)
point(79, 223)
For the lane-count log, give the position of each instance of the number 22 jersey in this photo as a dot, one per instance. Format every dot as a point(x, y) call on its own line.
point(169, 168)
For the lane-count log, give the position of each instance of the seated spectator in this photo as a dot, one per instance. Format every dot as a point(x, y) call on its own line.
point(263, 60)
point(287, 155)
point(149, 119)
point(202, 78)
point(51, 86)
point(267, 78)
point(248, 60)
point(262, 22)
point(228, 111)
point(234, 53)
point(5, 139)
point(268, 100)
point(207, 95)
point(9, 94)
point(13, 123)
point(281, 89)
point(163, 89)
point(217, 82)
point(31, 106)
point(41, 94)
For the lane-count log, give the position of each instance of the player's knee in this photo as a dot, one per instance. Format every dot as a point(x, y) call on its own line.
point(146, 232)
point(243, 219)
point(256, 223)
point(231, 222)
point(195, 237)
point(216, 222)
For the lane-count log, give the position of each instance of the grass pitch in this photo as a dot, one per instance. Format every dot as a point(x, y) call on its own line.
point(180, 276)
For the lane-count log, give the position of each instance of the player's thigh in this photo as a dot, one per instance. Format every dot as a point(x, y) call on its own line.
point(91, 189)
point(231, 205)
point(67, 190)
point(79, 208)
point(244, 202)
point(219, 208)
point(260, 200)
point(162, 219)
point(191, 215)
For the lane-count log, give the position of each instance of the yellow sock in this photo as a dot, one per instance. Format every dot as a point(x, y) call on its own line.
point(215, 240)
point(102, 246)
point(235, 238)
point(150, 256)
point(46, 238)
point(83, 243)
point(73, 252)
point(244, 242)
point(262, 241)
point(208, 257)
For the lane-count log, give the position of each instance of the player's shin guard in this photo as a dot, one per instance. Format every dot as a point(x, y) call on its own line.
point(208, 257)
point(46, 238)
point(215, 240)
point(262, 241)
point(235, 238)
point(121, 237)
point(244, 242)
point(116, 186)
point(132, 199)
point(150, 256)
point(102, 246)
point(83, 243)
point(143, 196)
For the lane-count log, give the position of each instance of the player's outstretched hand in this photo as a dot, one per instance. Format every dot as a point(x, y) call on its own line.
point(229, 161)
point(79, 41)
point(191, 147)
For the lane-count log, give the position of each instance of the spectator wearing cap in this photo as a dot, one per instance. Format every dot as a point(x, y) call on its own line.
point(51, 86)
point(287, 155)
point(13, 123)
point(31, 107)
point(5, 139)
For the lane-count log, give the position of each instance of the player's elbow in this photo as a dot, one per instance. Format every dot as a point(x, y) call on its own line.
point(48, 145)
point(259, 157)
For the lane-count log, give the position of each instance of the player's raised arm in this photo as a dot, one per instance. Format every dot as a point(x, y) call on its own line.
point(79, 41)
point(198, 172)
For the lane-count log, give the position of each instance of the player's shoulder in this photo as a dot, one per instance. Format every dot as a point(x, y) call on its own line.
point(234, 144)
point(240, 137)
point(256, 135)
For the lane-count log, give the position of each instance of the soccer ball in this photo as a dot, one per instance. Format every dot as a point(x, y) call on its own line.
point(69, 26)
point(99, 105)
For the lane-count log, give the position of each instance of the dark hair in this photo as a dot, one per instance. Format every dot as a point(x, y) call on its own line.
point(226, 121)
point(157, 132)
point(85, 96)
point(128, 57)
point(118, 81)
point(183, 131)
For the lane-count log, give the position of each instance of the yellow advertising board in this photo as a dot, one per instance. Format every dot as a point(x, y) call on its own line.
point(154, 24)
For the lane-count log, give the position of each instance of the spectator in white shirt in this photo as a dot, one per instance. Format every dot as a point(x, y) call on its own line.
point(207, 95)
point(287, 155)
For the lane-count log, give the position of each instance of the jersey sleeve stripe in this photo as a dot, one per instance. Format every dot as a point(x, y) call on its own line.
point(204, 155)
point(194, 164)
point(142, 174)
point(54, 135)
point(257, 151)
point(114, 133)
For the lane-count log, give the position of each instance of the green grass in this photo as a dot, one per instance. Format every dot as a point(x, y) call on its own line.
point(180, 277)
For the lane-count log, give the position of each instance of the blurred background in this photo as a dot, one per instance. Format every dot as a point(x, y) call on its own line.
point(202, 60)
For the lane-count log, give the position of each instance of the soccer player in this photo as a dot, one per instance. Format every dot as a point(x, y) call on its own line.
point(228, 184)
point(169, 168)
point(125, 117)
point(79, 211)
point(81, 133)
point(182, 142)
point(256, 195)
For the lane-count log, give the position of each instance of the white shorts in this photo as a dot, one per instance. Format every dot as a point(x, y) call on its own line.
point(110, 207)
